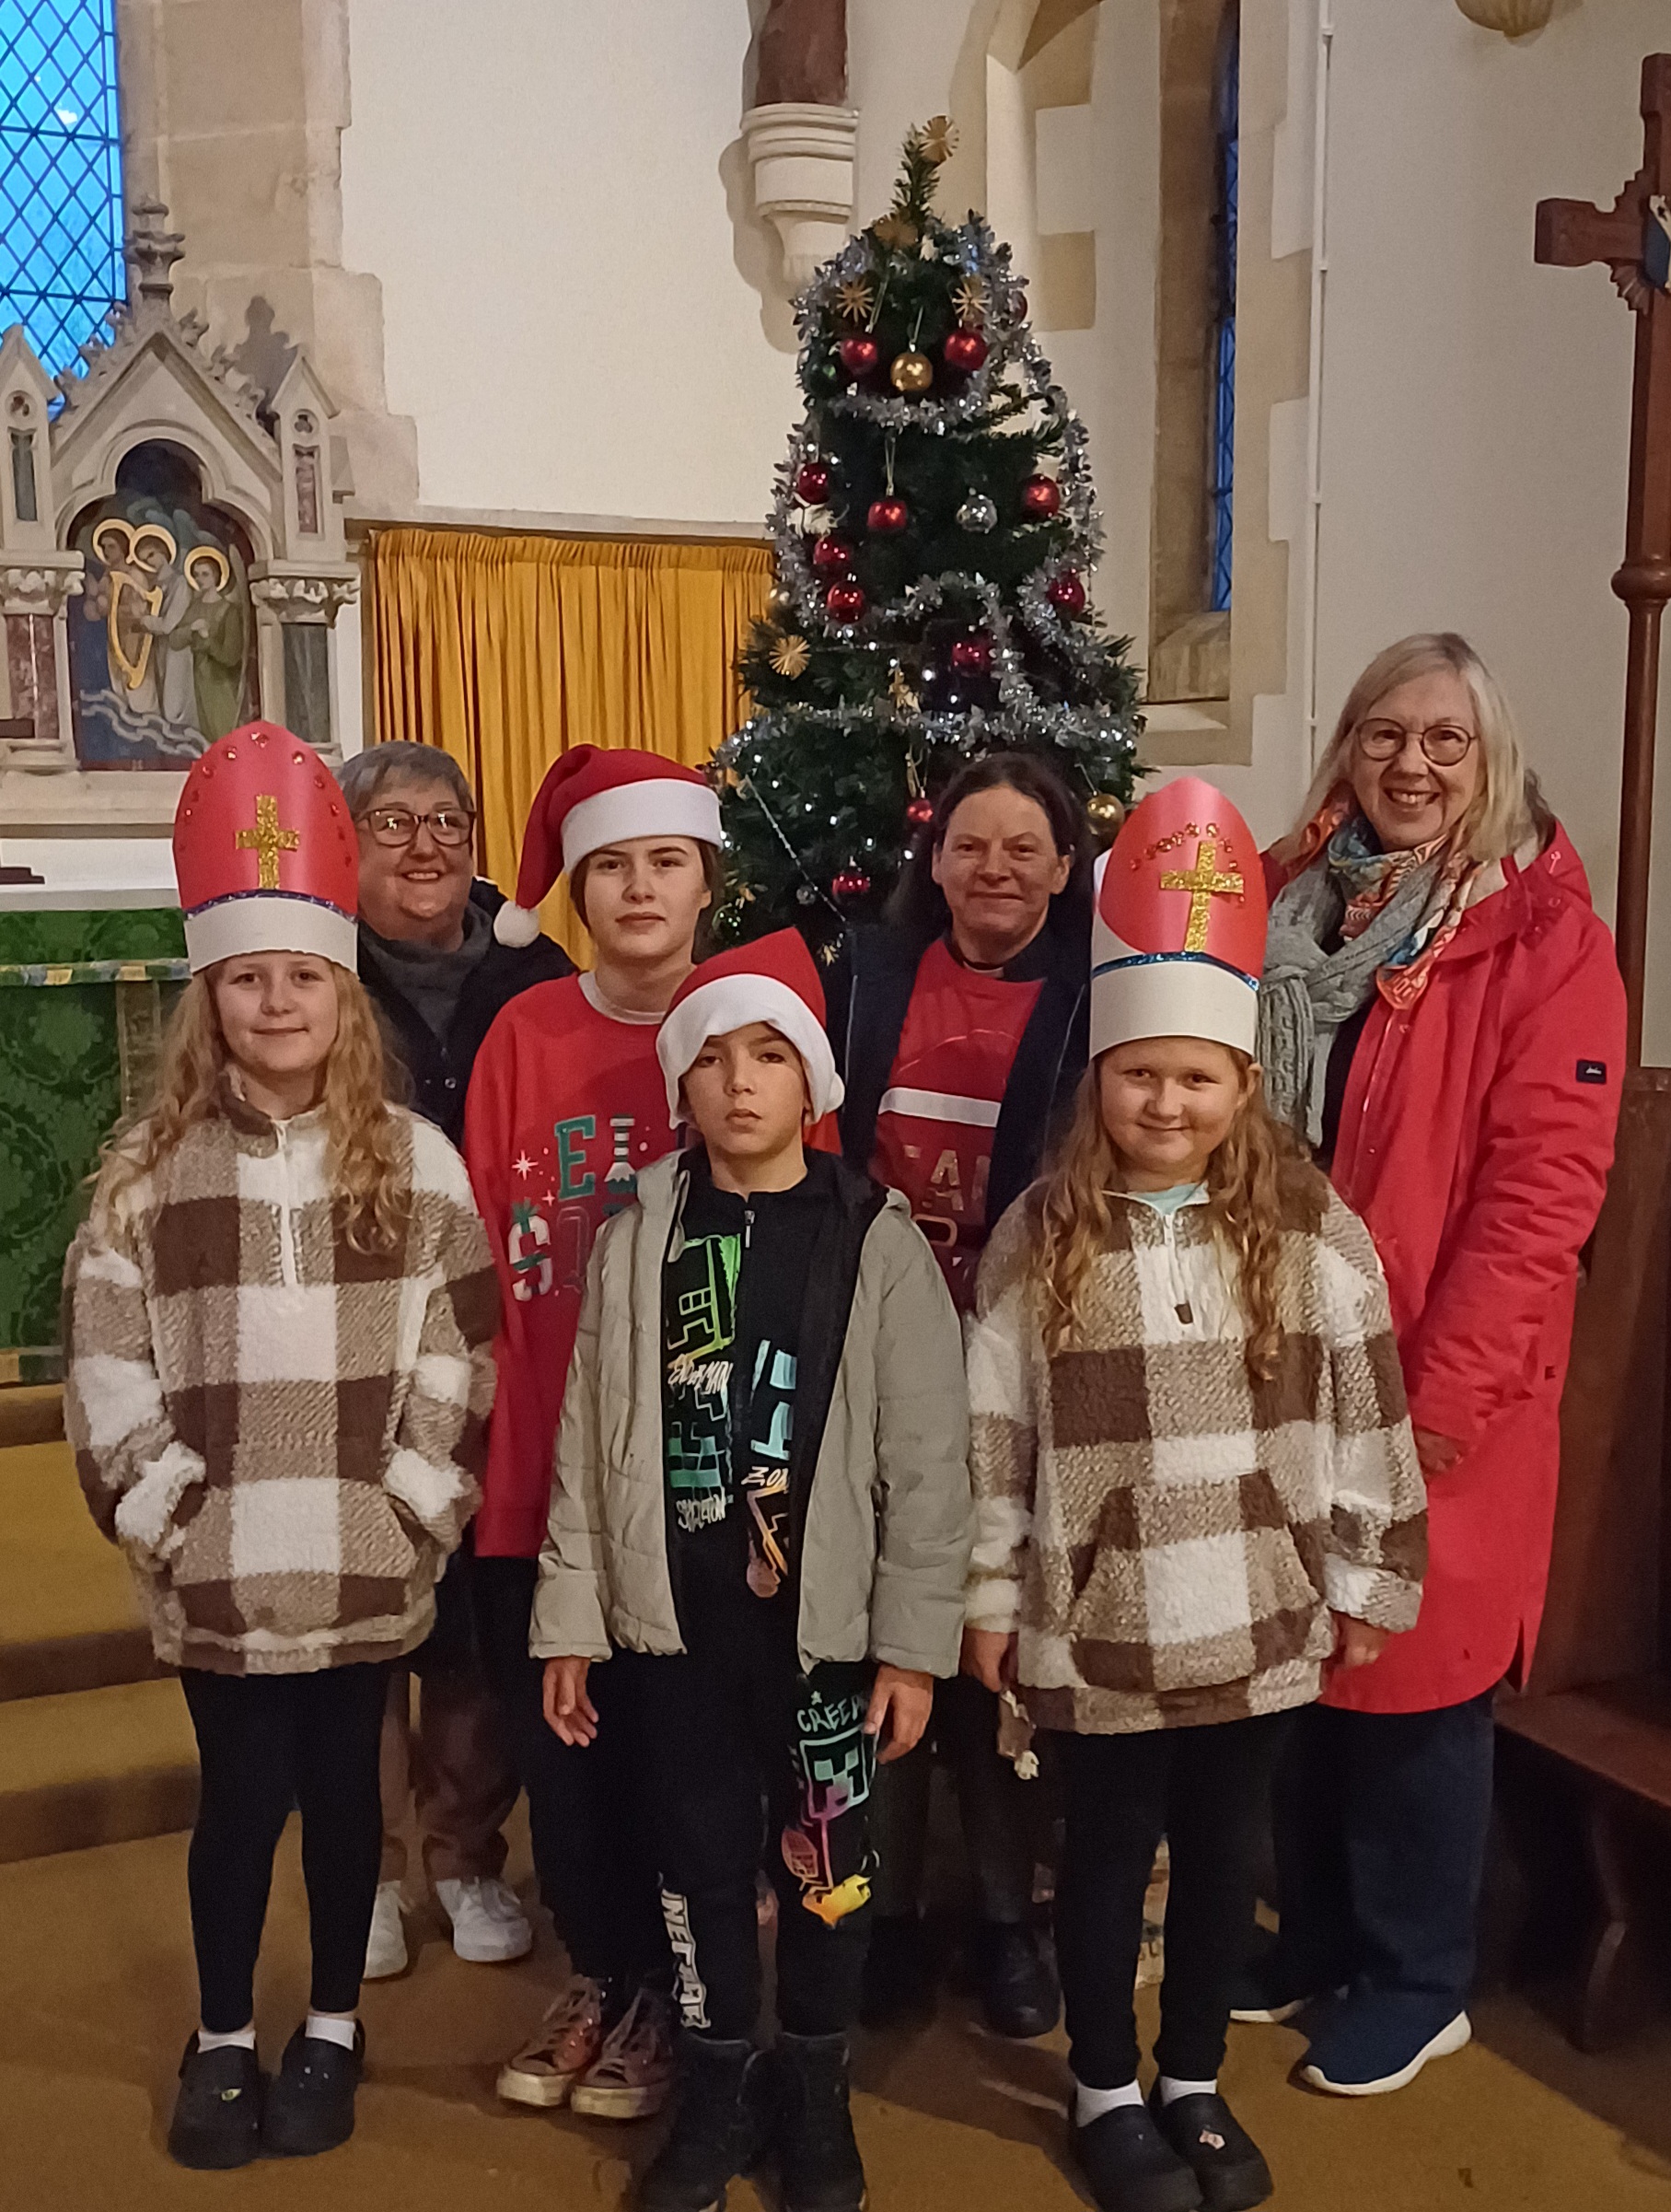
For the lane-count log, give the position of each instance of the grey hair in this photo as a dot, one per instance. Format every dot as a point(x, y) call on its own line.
point(363, 775)
point(1509, 807)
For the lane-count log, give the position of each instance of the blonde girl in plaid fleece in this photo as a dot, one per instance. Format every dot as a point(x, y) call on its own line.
point(1195, 1489)
point(279, 1324)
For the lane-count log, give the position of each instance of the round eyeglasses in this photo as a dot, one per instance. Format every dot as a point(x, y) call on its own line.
point(1445, 743)
point(398, 825)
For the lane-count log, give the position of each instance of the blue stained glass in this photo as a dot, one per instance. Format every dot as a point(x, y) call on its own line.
point(61, 222)
point(1222, 448)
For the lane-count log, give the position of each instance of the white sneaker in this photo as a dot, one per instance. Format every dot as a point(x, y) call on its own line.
point(386, 1949)
point(490, 1928)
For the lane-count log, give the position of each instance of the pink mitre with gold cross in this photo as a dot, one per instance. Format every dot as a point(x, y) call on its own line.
point(265, 853)
point(1177, 937)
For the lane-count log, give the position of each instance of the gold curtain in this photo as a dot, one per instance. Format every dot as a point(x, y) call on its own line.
point(506, 650)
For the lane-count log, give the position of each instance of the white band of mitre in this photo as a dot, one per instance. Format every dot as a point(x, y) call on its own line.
point(251, 922)
point(1178, 995)
point(652, 806)
point(732, 1002)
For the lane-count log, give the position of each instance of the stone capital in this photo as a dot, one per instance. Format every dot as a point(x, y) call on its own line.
point(297, 595)
point(41, 583)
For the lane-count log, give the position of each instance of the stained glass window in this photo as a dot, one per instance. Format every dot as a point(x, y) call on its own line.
point(60, 172)
point(1222, 445)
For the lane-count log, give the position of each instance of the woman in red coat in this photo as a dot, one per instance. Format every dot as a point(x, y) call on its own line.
point(1442, 1018)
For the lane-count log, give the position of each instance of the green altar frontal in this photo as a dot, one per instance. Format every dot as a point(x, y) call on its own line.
point(83, 998)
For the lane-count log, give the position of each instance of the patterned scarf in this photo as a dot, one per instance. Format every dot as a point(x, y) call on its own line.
point(1394, 913)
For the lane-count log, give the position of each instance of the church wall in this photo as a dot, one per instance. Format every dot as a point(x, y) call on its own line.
point(1476, 407)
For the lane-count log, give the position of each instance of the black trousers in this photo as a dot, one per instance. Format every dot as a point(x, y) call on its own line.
point(1001, 1815)
point(756, 1765)
point(1381, 1826)
point(266, 1742)
point(1205, 1790)
point(588, 1808)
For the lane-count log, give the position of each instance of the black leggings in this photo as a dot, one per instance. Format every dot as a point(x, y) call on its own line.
point(1205, 1789)
point(267, 1742)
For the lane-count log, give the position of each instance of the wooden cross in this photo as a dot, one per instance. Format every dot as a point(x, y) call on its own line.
point(1204, 884)
point(1570, 233)
point(267, 841)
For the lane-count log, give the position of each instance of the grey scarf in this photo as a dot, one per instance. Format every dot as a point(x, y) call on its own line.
point(1307, 993)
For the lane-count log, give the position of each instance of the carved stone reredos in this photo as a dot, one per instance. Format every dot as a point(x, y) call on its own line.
point(151, 253)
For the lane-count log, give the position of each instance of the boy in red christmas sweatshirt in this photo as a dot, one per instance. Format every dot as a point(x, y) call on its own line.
point(567, 1104)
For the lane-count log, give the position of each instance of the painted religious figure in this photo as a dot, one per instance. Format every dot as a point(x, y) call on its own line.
point(161, 640)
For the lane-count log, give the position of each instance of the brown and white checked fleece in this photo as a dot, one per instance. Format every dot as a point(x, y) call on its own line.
point(1169, 1538)
point(285, 1435)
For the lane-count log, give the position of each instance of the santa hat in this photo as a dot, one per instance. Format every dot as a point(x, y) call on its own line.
point(593, 798)
point(1177, 937)
point(773, 981)
point(265, 853)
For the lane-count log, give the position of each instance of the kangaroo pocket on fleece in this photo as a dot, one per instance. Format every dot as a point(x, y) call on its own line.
point(1193, 1583)
point(295, 1558)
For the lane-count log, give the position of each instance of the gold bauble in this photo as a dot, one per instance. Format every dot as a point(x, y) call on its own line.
point(912, 373)
point(780, 598)
point(1106, 812)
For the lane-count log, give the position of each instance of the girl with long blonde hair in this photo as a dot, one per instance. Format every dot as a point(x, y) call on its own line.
point(281, 1312)
point(1195, 1489)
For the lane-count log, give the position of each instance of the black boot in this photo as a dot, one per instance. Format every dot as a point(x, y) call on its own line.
point(310, 2104)
point(819, 2161)
point(898, 1974)
point(217, 2116)
point(1213, 2144)
point(1019, 1993)
point(717, 2129)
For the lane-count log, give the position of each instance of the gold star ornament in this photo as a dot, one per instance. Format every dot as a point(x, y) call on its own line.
point(790, 656)
point(970, 301)
point(856, 299)
point(905, 701)
point(939, 139)
point(895, 230)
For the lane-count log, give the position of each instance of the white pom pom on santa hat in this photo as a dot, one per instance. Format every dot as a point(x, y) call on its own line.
point(594, 797)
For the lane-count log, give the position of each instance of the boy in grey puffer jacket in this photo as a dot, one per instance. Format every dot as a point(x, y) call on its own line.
point(762, 1507)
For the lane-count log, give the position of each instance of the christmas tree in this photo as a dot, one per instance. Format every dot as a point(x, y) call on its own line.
point(934, 523)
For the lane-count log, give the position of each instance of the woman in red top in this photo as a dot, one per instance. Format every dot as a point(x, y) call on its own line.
point(1442, 1017)
point(567, 1104)
point(960, 1030)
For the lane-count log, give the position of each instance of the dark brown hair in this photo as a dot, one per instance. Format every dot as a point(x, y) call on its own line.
point(714, 876)
point(918, 904)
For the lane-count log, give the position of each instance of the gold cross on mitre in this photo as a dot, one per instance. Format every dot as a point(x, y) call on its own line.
point(1203, 883)
point(267, 841)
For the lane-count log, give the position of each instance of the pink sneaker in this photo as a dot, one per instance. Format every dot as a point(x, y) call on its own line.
point(567, 2043)
point(634, 2070)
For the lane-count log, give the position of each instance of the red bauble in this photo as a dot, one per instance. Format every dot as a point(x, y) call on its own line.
point(964, 350)
point(859, 355)
point(972, 653)
point(846, 602)
point(1041, 499)
point(831, 554)
point(812, 482)
point(889, 517)
point(1065, 592)
point(920, 813)
point(850, 883)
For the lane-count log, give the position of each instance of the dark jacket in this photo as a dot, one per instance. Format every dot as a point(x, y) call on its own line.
point(868, 993)
point(437, 1072)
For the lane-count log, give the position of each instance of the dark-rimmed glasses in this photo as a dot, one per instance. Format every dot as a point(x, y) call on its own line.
point(398, 825)
point(1445, 743)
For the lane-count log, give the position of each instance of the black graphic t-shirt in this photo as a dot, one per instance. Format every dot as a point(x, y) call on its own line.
point(732, 1295)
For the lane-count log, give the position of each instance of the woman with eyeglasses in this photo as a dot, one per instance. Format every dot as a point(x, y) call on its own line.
point(1442, 1018)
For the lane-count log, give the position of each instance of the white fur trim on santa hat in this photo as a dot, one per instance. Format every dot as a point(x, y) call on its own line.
point(732, 1002)
point(1172, 995)
point(270, 922)
point(649, 805)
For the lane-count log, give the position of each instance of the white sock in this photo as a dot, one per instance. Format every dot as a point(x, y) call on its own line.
point(1090, 2104)
point(243, 2037)
point(326, 2028)
point(1171, 2090)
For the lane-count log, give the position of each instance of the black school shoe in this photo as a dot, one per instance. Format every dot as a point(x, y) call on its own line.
point(819, 2163)
point(1211, 2141)
point(311, 2102)
point(1129, 2165)
point(718, 2126)
point(217, 2116)
point(1019, 1993)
